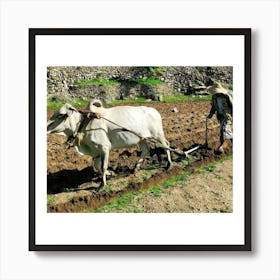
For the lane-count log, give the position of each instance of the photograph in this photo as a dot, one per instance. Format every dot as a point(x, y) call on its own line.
point(140, 139)
point(133, 128)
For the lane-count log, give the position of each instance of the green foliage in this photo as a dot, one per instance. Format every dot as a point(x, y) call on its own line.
point(156, 191)
point(54, 104)
point(80, 103)
point(173, 98)
point(146, 174)
point(175, 179)
point(181, 97)
point(107, 188)
point(96, 82)
point(148, 81)
point(116, 205)
point(135, 100)
point(226, 157)
point(209, 167)
point(51, 199)
point(122, 204)
point(155, 71)
point(76, 103)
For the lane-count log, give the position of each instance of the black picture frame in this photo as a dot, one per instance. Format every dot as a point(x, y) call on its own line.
point(246, 32)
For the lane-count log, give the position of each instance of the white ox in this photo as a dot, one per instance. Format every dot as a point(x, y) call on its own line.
point(112, 128)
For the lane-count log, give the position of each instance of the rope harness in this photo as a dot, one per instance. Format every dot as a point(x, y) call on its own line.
point(77, 136)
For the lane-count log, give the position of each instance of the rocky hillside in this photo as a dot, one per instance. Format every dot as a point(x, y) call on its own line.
point(110, 83)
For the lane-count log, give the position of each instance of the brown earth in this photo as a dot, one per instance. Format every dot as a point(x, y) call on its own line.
point(71, 180)
point(203, 192)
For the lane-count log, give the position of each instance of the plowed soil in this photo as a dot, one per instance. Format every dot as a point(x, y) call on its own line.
point(72, 182)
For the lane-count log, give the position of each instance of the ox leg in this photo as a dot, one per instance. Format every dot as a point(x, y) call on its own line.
point(165, 145)
point(100, 164)
point(97, 165)
point(169, 162)
point(104, 165)
point(144, 151)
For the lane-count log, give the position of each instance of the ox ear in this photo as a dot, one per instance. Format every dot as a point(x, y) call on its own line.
point(96, 103)
point(70, 109)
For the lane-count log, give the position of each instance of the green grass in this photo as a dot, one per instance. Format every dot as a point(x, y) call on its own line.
point(226, 157)
point(107, 189)
point(148, 81)
point(116, 205)
point(51, 199)
point(181, 97)
point(135, 100)
point(156, 190)
point(146, 174)
point(168, 99)
point(80, 103)
point(209, 167)
point(83, 103)
point(175, 179)
point(122, 204)
point(145, 81)
point(76, 103)
point(54, 104)
point(96, 82)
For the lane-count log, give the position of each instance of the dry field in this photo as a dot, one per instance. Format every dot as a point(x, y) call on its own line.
point(202, 183)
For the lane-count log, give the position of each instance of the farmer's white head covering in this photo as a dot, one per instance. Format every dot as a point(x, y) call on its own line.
point(217, 88)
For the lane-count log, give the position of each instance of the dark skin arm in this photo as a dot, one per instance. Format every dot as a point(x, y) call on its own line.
point(213, 110)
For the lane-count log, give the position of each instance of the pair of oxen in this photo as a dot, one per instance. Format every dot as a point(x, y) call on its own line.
point(98, 130)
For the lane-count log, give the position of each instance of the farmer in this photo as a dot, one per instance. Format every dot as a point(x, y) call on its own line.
point(222, 106)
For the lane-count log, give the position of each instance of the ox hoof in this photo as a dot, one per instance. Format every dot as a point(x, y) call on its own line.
point(168, 166)
point(219, 151)
point(101, 186)
point(135, 170)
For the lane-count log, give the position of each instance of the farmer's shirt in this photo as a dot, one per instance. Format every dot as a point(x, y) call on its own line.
point(222, 106)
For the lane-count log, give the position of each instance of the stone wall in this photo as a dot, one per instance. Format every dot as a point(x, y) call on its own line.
point(61, 81)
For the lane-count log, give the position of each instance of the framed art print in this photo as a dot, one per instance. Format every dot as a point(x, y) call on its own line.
point(131, 139)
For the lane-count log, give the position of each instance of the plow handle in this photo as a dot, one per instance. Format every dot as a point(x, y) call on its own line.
point(206, 132)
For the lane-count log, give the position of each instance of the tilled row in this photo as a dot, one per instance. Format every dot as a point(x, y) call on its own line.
point(97, 199)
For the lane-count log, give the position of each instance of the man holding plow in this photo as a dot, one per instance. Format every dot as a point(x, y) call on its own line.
point(222, 106)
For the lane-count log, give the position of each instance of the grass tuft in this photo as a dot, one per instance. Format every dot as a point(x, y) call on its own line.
point(96, 82)
point(51, 199)
point(122, 204)
point(182, 97)
point(116, 205)
point(209, 167)
point(51, 104)
point(81, 103)
point(148, 81)
point(135, 100)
